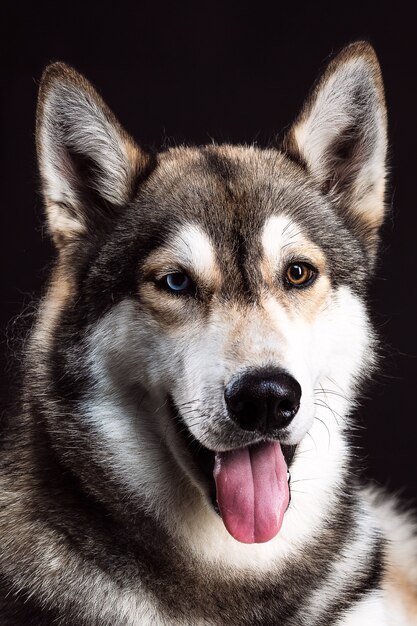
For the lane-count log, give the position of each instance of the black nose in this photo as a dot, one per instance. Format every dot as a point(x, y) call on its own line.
point(263, 400)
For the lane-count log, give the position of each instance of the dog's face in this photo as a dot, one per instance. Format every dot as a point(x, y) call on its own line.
point(210, 296)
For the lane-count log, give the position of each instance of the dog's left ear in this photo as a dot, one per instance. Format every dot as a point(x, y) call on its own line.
point(340, 137)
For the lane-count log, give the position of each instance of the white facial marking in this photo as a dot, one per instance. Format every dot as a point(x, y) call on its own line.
point(278, 232)
point(192, 247)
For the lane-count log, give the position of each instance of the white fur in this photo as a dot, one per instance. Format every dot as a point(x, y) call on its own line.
point(371, 611)
point(378, 609)
point(192, 248)
point(278, 232)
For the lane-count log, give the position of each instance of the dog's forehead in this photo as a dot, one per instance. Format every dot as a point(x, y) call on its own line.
point(235, 194)
point(230, 191)
point(230, 182)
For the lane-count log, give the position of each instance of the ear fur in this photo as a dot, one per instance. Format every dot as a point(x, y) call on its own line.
point(89, 165)
point(340, 137)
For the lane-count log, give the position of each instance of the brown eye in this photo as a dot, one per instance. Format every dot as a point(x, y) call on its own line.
point(299, 274)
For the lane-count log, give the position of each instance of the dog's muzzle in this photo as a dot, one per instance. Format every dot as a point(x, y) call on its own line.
point(248, 482)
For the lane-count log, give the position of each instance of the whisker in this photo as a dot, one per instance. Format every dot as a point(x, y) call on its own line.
point(326, 427)
point(330, 391)
point(312, 438)
point(321, 403)
point(334, 383)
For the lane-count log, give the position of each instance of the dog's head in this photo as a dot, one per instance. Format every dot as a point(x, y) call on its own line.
point(208, 301)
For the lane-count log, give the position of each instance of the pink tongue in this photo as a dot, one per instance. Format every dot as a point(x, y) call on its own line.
point(252, 491)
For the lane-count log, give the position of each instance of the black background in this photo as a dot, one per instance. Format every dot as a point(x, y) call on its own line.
point(193, 71)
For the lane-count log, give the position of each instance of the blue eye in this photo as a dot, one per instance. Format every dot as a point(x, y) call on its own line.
point(178, 282)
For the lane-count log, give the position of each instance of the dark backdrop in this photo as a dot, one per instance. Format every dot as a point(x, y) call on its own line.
point(235, 72)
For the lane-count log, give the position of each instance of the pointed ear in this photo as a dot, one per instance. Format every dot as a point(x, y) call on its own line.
point(340, 138)
point(89, 165)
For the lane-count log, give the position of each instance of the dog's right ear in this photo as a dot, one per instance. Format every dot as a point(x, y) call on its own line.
point(90, 167)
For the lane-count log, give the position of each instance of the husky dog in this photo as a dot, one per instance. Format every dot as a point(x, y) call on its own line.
point(181, 454)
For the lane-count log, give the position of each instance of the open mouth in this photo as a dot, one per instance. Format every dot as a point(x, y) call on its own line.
point(248, 486)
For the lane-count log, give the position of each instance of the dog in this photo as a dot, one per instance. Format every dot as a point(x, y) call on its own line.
point(182, 451)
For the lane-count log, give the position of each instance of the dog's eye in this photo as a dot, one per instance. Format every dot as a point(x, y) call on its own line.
point(178, 283)
point(300, 274)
